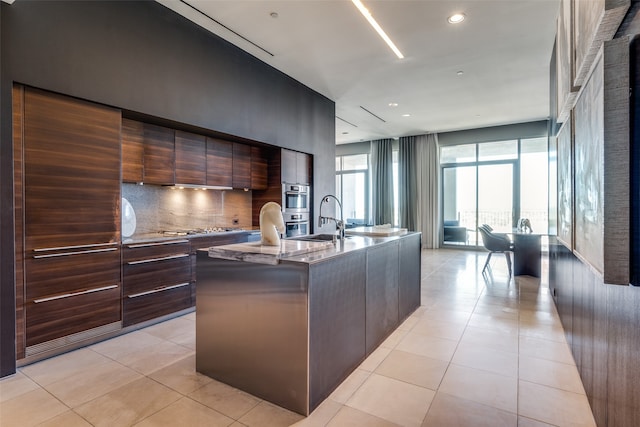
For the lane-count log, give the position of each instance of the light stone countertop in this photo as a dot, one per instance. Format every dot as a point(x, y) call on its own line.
point(376, 231)
point(297, 251)
point(263, 254)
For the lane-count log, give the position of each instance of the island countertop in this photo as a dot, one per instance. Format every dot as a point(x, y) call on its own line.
point(296, 251)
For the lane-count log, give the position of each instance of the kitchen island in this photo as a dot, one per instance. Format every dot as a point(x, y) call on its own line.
point(290, 326)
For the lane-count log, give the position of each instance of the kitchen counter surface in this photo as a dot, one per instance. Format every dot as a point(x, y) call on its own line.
point(263, 254)
point(296, 251)
point(376, 231)
point(160, 237)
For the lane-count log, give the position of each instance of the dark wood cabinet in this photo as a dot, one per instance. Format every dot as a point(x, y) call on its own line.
point(296, 167)
point(191, 158)
point(156, 280)
point(241, 166)
point(71, 223)
point(219, 162)
point(259, 164)
point(70, 291)
point(132, 151)
point(159, 155)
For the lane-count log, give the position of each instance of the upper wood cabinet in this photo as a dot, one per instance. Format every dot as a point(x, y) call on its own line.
point(241, 166)
point(159, 155)
point(219, 162)
point(191, 158)
point(296, 167)
point(71, 171)
point(132, 150)
point(259, 164)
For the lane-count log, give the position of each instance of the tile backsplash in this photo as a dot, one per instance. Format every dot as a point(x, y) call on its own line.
point(160, 208)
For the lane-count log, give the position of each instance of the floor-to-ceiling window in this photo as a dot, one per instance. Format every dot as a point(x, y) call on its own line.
point(493, 183)
point(352, 186)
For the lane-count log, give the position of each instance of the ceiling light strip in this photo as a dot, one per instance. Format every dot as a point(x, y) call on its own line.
point(378, 28)
point(377, 117)
point(227, 28)
point(347, 122)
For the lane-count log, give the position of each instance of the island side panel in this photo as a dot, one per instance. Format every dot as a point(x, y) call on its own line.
point(337, 317)
point(409, 277)
point(382, 293)
point(251, 328)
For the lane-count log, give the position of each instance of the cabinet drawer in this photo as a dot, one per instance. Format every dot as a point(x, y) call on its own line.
point(65, 314)
point(145, 275)
point(158, 302)
point(50, 272)
point(152, 250)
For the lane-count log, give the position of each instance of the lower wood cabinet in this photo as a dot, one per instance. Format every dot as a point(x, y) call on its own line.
point(71, 290)
point(156, 280)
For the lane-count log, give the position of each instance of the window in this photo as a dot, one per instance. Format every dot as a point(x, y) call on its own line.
point(352, 186)
point(493, 183)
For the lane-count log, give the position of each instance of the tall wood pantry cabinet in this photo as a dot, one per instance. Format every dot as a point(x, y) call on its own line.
point(67, 178)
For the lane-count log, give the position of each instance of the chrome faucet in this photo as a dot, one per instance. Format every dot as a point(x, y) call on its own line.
point(339, 222)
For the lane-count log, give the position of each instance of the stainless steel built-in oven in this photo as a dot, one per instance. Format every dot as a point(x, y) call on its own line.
point(296, 224)
point(295, 198)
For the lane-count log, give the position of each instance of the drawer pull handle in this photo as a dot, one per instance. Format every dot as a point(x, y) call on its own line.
point(164, 258)
point(64, 248)
point(90, 251)
point(154, 291)
point(146, 245)
point(74, 294)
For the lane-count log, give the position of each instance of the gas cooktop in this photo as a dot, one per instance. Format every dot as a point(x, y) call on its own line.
point(198, 231)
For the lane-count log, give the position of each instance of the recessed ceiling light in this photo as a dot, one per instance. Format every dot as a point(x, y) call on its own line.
point(460, 73)
point(406, 115)
point(456, 18)
point(363, 10)
point(393, 104)
point(274, 15)
point(345, 133)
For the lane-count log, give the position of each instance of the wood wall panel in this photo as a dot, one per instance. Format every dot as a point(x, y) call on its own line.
point(623, 381)
point(18, 185)
point(273, 193)
point(601, 327)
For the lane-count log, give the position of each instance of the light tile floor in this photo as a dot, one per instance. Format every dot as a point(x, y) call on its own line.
point(480, 351)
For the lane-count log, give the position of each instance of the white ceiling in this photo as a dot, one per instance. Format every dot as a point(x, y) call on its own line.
point(503, 48)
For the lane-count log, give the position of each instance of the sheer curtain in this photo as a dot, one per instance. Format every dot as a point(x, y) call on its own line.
point(382, 181)
point(408, 197)
point(428, 179)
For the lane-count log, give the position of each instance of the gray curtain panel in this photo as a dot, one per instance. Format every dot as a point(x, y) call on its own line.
point(382, 181)
point(408, 197)
point(428, 178)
